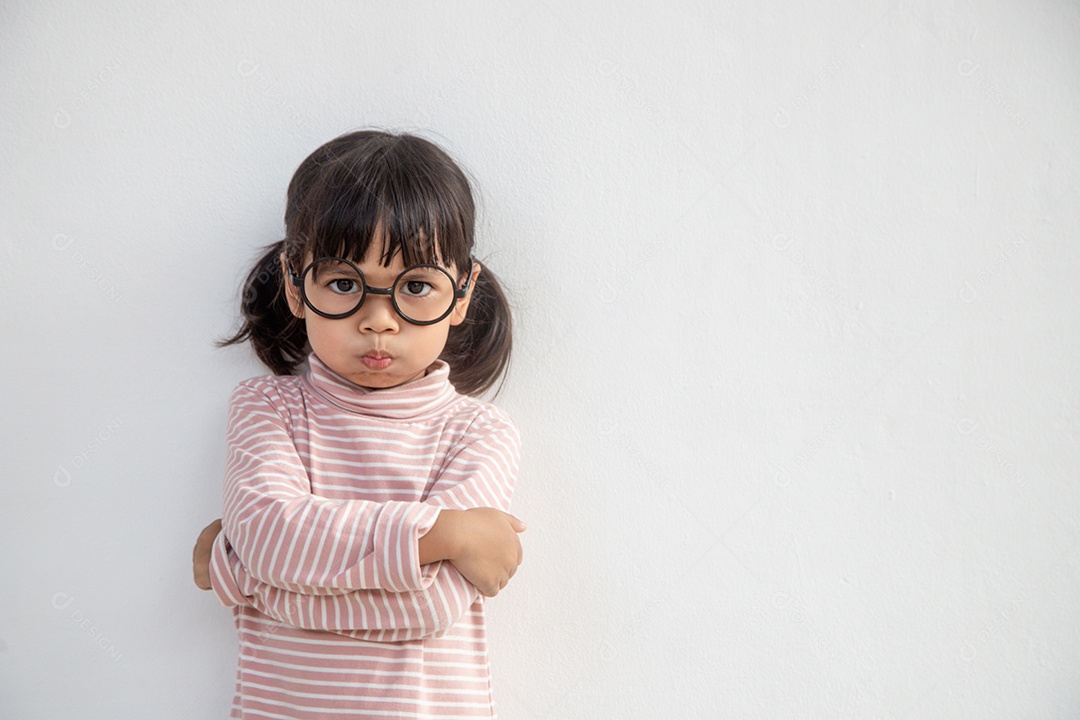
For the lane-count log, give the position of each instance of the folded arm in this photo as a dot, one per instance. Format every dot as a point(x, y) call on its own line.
point(291, 539)
point(480, 474)
point(378, 615)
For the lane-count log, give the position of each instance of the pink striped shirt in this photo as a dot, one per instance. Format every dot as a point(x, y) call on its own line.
point(328, 487)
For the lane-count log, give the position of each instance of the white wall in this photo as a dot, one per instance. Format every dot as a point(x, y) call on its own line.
point(796, 356)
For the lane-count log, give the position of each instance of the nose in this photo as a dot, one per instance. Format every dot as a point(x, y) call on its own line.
point(377, 314)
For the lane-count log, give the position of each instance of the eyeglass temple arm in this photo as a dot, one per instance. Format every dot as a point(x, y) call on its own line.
point(462, 292)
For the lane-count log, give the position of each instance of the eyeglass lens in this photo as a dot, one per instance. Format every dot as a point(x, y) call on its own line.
point(421, 294)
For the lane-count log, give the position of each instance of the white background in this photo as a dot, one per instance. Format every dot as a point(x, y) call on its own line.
point(796, 353)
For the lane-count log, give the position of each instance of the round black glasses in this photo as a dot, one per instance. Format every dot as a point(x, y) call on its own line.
point(335, 288)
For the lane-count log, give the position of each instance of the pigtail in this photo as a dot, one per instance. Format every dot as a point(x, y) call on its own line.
point(478, 350)
point(278, 337)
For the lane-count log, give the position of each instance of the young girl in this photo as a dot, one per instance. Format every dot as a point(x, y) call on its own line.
point(366, 494)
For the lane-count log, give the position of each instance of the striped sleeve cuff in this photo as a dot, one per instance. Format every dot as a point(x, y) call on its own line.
point(397, 537)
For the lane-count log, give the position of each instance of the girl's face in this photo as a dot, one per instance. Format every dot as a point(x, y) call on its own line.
point(376, 328)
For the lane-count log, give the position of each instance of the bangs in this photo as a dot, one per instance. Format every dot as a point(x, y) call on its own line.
point(397, 191)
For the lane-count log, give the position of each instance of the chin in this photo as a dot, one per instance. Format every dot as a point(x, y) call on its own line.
point(380, 381)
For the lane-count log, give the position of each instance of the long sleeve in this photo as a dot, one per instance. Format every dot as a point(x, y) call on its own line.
point(480, 474)
point(289, 538)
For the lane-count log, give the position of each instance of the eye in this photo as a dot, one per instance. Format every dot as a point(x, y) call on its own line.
point(343, 286)
point(415, 288)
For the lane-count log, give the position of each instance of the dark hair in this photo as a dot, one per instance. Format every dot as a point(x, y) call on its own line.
point(423, 203)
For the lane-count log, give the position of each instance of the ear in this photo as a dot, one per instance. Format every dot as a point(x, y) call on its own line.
point(461, 307)
point(292, 293)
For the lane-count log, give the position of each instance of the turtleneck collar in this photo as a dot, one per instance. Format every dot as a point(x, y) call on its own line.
point(411, 401)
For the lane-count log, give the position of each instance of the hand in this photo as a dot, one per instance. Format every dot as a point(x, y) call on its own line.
point(200, 556)
point(487, 551)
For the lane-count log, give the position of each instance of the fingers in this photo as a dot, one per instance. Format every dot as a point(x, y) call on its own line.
point(212, 529)
point(493, 590)
point(200, 554)
point(202, 578)
point(515, 522)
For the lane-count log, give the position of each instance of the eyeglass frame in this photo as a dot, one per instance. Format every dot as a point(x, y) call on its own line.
point(459, 293)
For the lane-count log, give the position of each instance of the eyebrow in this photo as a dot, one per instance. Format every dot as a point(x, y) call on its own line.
point(334, 267)
point(391, 272)
point(425, 271)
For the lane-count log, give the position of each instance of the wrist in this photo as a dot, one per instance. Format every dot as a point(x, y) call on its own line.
point(442, 541)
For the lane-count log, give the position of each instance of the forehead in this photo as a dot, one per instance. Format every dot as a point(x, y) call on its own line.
point(373, 264)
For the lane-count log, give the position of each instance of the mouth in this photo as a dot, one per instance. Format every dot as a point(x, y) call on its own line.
point(377, 360)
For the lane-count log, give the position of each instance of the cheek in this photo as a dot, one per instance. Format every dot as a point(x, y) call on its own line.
point(439, 332)
point(429, 339)
point(319, 332)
